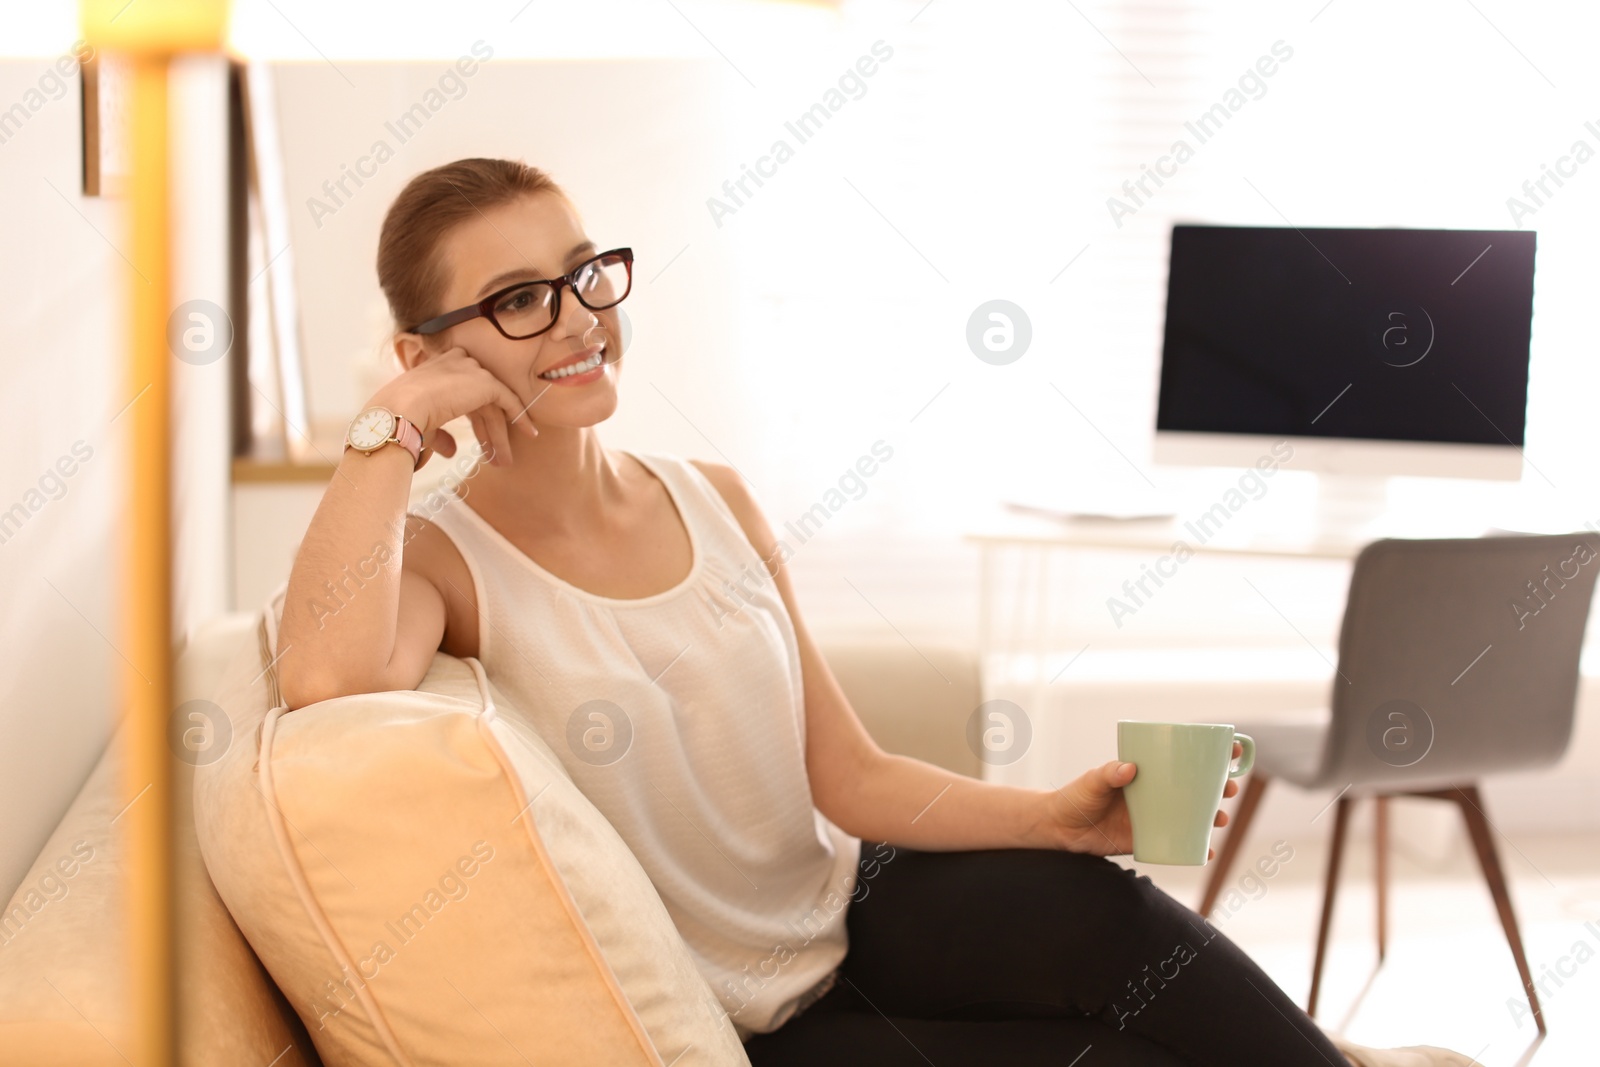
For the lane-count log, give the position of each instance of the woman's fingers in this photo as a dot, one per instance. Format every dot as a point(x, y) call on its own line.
point(514, 413)
point(485, 390)
point(480, 433)
point(1231, 788)
point(443, 443)
point(522, 422)
point(493, 419)
point(1221, 819)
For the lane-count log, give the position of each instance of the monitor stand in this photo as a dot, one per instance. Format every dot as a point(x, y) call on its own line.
point(1350, 503)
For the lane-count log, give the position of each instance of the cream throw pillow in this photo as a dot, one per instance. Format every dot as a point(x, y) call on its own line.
point(427, 886)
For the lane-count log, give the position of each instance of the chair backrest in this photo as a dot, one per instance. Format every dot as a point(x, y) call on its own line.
point(1458, 657)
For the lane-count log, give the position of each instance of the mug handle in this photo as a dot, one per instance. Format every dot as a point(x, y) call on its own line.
point(1247, 755)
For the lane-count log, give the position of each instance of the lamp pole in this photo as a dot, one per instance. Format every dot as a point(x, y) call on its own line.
point(149, 33)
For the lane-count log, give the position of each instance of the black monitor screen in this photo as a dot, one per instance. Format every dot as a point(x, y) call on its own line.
point(1382, 334)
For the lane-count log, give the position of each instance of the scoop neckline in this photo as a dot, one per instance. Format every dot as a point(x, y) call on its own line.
point(695, 552)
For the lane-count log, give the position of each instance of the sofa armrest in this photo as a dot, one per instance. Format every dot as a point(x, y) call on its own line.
point(911, 705)
point(63, 946)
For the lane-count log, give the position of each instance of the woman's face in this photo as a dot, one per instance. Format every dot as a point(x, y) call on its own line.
point(538, 236)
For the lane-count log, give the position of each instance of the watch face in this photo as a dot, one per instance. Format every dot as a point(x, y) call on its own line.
point(371, 428)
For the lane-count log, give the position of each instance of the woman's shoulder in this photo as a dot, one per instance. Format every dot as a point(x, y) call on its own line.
point(729, 493)
point(721, 481)
point(722, 477)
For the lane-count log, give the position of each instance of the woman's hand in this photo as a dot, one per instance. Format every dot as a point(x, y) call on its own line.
point(452, 384)
point(1089, 814)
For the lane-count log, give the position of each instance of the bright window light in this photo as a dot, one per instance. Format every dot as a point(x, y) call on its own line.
point(516, 29)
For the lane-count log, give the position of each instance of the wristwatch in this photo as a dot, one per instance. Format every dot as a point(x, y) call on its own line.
point(377, 426)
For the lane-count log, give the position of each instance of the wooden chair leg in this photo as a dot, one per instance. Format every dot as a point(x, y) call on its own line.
point(1489, 859)
point(1341, 820)
point(1380, 843)
point(1254, 786)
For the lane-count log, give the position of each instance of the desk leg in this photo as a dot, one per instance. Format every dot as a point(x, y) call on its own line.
point(985, 610)
point(1041, 637)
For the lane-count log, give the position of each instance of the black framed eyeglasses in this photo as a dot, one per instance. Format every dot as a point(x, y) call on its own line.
point(528, 309)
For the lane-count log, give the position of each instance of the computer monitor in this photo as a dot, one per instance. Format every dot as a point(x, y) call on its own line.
point(1374, 352)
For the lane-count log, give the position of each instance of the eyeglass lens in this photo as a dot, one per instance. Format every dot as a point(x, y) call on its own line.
point(527, 309)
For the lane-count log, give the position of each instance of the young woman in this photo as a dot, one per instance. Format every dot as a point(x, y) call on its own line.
point(842, 901)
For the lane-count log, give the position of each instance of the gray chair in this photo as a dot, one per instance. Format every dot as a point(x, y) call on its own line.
point(1457, 658)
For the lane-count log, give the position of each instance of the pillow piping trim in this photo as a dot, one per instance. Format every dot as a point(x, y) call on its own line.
point(280, 835)
point(302, 888)
point(575, 916)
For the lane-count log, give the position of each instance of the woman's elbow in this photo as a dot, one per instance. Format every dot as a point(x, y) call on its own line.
point(843, 789)
point(298, 688)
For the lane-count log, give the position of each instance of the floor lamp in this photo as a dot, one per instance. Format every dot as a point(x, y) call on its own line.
point(148, 34)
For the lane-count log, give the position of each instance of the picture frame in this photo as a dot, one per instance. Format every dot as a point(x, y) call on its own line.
point(105, 82)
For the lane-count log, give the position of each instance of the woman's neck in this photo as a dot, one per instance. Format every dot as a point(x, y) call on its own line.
point(562, 480)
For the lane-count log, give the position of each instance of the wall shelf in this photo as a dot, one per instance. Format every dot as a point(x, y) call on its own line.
point(247, 470)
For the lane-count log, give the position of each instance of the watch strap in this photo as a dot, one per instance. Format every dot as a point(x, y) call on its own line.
point(408, 437)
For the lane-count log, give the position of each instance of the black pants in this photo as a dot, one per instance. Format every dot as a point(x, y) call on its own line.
point(1036, 956)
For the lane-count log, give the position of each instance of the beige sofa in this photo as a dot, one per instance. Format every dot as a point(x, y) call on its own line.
point(63, 964)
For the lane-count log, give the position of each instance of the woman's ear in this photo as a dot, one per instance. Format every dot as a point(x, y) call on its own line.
point(410, 350)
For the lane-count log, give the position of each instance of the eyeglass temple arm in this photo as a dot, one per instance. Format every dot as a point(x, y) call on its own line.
point(444, 322)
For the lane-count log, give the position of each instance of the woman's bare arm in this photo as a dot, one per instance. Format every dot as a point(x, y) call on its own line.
point(355, 619)
point(357, 616)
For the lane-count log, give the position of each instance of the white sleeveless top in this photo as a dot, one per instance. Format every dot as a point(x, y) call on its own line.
point(681, 717)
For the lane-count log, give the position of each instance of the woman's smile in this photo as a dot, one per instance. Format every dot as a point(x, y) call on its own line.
point(581, 369)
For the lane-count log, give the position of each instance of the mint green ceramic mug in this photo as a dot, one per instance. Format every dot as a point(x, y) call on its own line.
point(1173, 798)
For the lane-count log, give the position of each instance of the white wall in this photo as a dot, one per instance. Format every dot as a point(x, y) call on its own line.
point(201, 437)
point(645, 138)
point(63, 271)
point(64, 283)
point(640, 157)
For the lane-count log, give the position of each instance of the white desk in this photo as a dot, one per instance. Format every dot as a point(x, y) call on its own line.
point(1264, 527)
point(1074, 726)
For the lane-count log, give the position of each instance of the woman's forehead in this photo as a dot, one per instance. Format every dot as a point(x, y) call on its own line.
point(534, 236)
